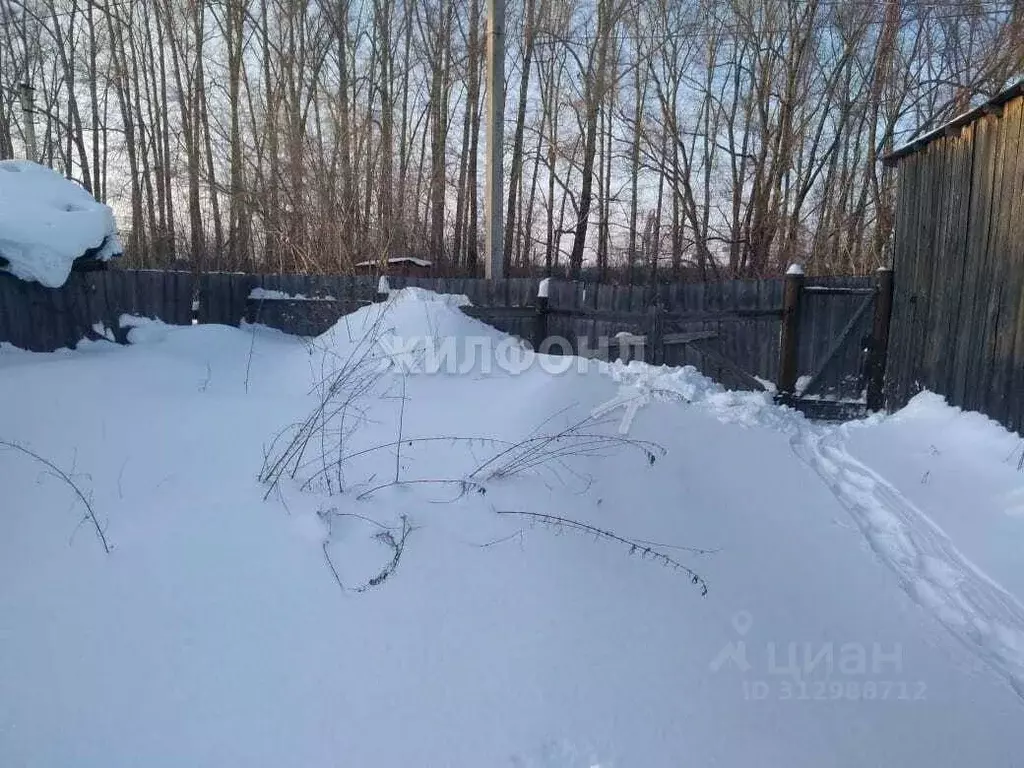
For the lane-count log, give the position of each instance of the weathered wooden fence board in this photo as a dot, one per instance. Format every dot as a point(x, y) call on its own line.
point(1003, 320)
point(89, 305)
point(958, 304)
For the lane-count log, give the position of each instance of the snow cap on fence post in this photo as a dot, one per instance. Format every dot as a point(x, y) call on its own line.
point(383, 289)
point(540, 320)
point(789, 342)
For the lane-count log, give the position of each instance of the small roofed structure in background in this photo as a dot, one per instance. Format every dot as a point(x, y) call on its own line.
point(399, 266)
point(50, 225)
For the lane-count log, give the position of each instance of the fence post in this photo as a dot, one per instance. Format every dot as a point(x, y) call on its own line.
point(540, 319)
point(878, 351)
point(383, 289)
point(790, 341)
point(655, 332)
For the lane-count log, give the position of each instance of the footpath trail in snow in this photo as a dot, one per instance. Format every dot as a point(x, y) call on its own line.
point(977, 610)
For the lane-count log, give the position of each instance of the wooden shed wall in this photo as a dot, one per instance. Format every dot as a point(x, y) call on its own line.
point(958, 305)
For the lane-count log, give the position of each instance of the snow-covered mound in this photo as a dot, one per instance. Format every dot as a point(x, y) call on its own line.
point(411, 312)
point(47, 221)
point(490, 564)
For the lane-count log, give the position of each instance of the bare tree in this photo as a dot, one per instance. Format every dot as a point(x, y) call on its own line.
point(299, 135)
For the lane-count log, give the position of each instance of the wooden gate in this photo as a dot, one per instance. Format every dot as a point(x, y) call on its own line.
point(840, 373)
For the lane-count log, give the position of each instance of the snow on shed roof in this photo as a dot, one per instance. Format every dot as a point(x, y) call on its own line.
point(992, 105)
point(397, 260)
point(47, 222)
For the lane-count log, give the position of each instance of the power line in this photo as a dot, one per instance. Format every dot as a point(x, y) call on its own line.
point(50, 14)
point(836, 4)
point(541, 38)
point(821, 24)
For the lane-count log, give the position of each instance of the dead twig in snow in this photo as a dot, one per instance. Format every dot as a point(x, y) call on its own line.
point(60, 474)
point(359, 372)
point(517, 535)
point(465, 486)
point(575, 440)
point(333, 512)
point(636, 547)
point(408, 442)
point(397, 547)
point(330, 564)
point(401, 424)
point(252, 344)
point(392, 538)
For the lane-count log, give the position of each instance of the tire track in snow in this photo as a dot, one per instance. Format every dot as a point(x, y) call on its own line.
point(974, 608)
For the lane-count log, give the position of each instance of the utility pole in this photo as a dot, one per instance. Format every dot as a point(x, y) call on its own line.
point(493, 212)
point(28, 110)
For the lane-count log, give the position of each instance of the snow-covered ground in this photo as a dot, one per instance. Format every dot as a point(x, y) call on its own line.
point(864, 582)
point(47, 221)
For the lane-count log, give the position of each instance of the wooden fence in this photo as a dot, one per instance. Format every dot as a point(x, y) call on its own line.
point(730, 330)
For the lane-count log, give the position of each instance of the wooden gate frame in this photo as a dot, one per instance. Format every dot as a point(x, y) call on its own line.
point(877, 343)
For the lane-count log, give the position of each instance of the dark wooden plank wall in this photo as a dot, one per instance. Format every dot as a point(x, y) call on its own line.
point(958, 304)
point(326, 299)
point(89, 305)
point(222, 297)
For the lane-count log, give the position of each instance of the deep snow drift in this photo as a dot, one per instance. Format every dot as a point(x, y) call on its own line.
point(854, 613)
point(46, 222)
